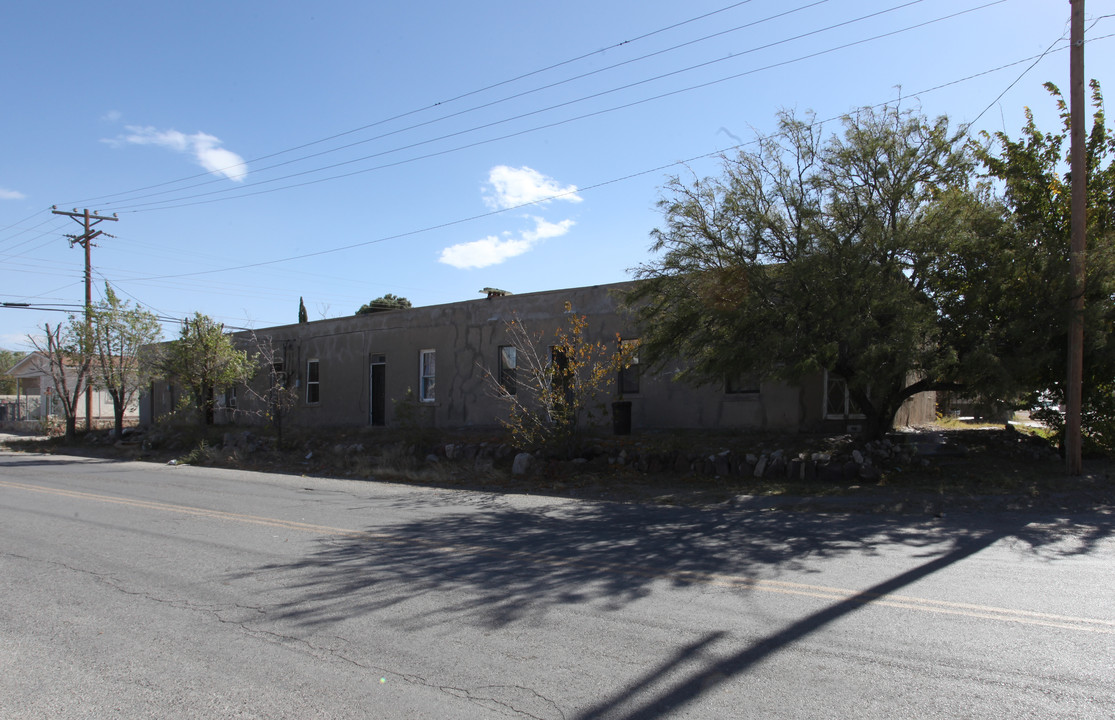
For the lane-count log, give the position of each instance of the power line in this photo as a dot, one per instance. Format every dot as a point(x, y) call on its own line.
point(74, 309)
point(125, 292)
point(211, 180)
point(1016, 80)
point(609, 182)
point(439, 103)
point(57, 289)
point(178, 202)
point(20, 222)
point(582, 189)
point(561, 105)
point(25, 253)
point(587, 188)
point(1027, 70)
point(58, 223)
point(51, 307)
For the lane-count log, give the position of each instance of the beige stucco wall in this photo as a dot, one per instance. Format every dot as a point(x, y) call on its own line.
point(466, 337)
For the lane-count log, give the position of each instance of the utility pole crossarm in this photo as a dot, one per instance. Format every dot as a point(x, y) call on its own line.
point(75, 239)
point(91, 215)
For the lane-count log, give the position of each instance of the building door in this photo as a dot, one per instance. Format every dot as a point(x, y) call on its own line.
point(378, 385)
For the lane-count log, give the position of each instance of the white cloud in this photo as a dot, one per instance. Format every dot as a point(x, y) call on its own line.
point(205, 148)
point(511, 187)
point(216, 159)
point(493, 250)
point(508, 188)
point(482, 253)
point(112, 116)
point(6, 194)
point(544, 229)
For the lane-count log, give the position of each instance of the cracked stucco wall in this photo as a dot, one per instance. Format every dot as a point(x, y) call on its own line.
point(466, 337)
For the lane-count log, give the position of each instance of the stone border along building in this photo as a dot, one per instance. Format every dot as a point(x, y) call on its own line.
point(351, 371)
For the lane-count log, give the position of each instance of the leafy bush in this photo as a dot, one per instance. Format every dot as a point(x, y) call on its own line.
point(1097, 419)
point(558, 388)
point(413, 418)
point(202, 454)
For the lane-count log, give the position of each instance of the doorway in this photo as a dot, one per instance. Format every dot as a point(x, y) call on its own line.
point(378, 388)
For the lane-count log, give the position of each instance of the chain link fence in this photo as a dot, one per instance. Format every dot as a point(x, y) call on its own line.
point(21, 408)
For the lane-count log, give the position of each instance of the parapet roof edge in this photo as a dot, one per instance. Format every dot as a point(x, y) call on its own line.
point(512, 298)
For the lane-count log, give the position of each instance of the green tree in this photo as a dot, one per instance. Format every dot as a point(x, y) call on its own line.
point(387, 302)
point(810, 253)
point(69, 361)
point(119, 332)
point(8, 359)
point(204, 359)
point(303, 317)
point(1033, 176)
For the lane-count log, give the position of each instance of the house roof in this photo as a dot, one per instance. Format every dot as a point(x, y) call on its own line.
point(35, 364)
point(31, 365)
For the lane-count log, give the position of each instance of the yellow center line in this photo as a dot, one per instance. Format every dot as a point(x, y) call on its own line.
point(182, 509)
point(970, 610)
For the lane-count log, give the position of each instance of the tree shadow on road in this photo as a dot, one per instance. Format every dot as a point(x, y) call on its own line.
point(502, 565)
point(643, 699)
point(10, 461)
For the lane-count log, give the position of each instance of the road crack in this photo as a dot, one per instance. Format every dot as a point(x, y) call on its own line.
point(521, 701)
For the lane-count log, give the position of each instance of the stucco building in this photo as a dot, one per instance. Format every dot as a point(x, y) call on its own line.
point(353, 370)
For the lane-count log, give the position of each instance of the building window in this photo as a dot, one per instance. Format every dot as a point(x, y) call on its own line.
point(630, 374)
point(313, 382)
point(561, 377)
point(741, 384)
point(278, 376)
point(426, 369)
point(230, 398)
point(838, 401)
point(508, 359)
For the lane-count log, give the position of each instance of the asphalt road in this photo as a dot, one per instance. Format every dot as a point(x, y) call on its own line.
point(137, 591)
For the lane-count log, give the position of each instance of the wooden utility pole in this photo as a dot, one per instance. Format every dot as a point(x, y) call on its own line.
point(1079, 189)
point(85, 239)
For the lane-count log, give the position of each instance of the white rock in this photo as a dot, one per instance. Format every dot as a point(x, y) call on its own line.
point(521, 464)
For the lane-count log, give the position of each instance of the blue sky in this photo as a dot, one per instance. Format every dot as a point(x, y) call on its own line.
point(257, 152)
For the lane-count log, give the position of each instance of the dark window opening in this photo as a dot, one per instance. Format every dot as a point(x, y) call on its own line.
point(313, 382)
point(741, 384)
point(508, 362)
